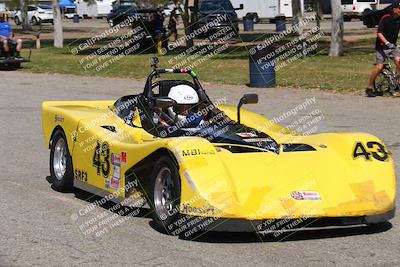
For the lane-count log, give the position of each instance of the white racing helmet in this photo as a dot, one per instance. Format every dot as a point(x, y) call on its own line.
point(184, 95)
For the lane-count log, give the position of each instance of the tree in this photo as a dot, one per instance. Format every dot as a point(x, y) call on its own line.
point(297, 16)
point(58, 28)
point(24, 15)
point(336, 49)
point(185, 14)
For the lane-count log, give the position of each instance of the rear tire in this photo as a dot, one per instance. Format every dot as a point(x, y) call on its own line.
point(17, 21)
point(61, 169)
point(370, 22)
point(164, 195)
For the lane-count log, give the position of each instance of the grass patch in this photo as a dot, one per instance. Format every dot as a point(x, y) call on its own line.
point(347, 73)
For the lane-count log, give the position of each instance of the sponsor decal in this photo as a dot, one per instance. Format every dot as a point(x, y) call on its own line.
point(106, 183)
point(256, 140)
point(58, 119)
point(116, 176)
point(123, 157)
point(246, 135)
point(116, 159)
point(117, 171)
point(197, 152)
point(186, 208)
point(114, 183)
point(305, 195)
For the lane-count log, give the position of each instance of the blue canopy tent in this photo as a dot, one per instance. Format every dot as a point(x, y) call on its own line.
point(68, 8)
point(66, 3)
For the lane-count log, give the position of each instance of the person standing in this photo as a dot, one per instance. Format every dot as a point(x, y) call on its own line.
point(173, 22)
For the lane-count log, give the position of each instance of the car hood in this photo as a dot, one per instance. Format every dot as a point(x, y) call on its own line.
point(325, 182)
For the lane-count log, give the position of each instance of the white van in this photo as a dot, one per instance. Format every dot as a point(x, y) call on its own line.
point(355, 8)
point(93, 9)
point(265, 9)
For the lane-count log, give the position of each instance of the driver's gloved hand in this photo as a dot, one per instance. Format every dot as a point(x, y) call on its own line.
point(390, 46)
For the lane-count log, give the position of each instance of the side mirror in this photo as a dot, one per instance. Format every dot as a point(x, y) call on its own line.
point(240, 7)
point(246, 99)
point(164, 102)
point(250, 99)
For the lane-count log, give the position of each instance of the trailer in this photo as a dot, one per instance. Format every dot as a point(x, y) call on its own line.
point(265, 9)
point(95, 9)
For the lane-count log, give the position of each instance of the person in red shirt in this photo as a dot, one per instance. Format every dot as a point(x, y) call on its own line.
point(385, 44)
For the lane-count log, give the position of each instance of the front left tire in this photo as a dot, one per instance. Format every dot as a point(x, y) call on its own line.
point(61, 169)
point(164, 195)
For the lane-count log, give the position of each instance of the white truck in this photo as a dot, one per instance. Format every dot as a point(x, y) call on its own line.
point(356, 8)
point(97, 9)
point(2, 7)
point(265, 9)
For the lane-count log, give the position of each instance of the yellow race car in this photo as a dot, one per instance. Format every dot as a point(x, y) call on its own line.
point(210, 166)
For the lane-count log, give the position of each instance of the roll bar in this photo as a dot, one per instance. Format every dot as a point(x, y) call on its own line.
point(156, 73)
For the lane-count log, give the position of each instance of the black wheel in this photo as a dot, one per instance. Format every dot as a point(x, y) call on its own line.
point(370, 22)
point(17, 21)
point(35, 21)
point(61, 169)
point(14, 66)
point(382, 84)
point(164, 192)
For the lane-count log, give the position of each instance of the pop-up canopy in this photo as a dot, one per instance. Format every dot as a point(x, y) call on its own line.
point(64, 3)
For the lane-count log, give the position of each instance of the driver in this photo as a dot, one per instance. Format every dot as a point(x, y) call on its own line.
point(184, 113)
point(7, 37)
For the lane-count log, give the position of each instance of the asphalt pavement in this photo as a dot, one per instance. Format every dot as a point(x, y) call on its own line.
point(37, 224)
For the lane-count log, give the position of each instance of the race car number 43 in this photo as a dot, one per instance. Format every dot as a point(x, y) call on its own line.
point(374, 149)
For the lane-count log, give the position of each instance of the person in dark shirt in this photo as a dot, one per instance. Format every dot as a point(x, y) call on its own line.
point(7, 37)
point(385, 44)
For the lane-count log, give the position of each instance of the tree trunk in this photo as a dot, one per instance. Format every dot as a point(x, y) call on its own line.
point(297, 16)
point(318, 13)
point(24, 16)
point(337, 30)
point(58, 29)
point(186, 23)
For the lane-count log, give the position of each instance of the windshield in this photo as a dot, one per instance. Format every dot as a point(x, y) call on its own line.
point(128, 5)
point(215, 5)
point(70, 10)
point(46, 7)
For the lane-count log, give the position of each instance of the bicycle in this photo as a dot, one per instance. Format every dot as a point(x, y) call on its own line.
point(386, 83)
